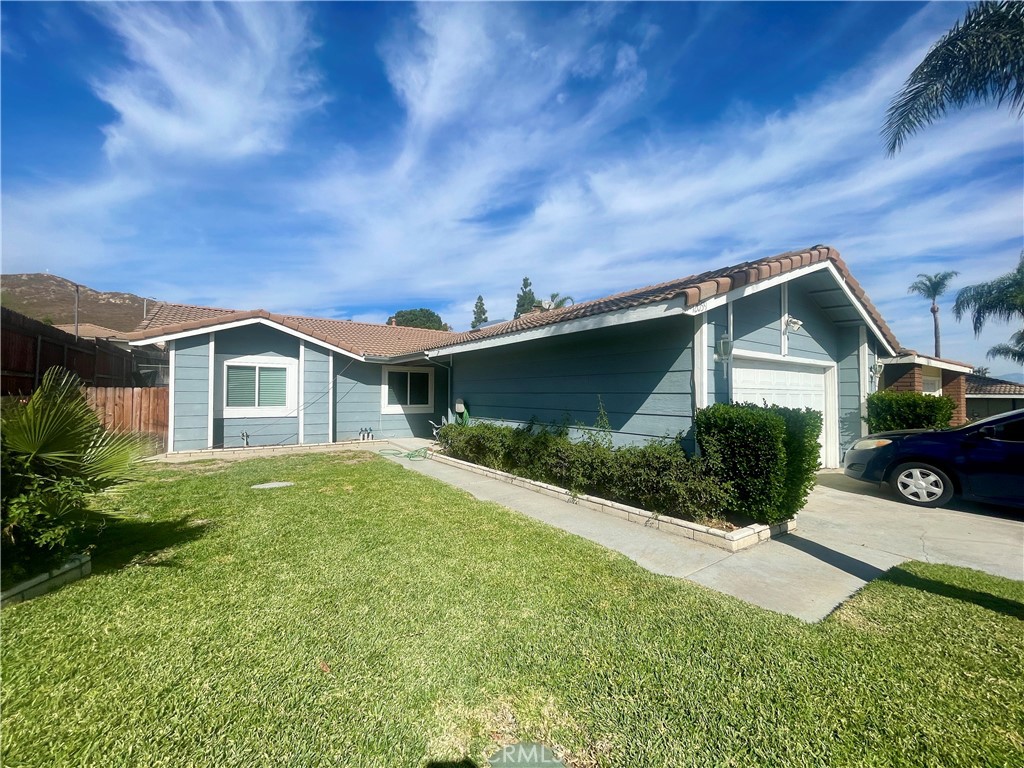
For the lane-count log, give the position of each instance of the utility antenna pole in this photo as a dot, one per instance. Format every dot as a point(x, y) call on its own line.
point(77, 286)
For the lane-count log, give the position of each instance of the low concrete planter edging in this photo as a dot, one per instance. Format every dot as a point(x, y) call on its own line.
point(731, 541)
point(78, 567)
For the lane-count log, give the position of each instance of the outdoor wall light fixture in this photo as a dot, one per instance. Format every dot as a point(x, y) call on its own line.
point(792, 324)
point(876, 370)
point(723, 348)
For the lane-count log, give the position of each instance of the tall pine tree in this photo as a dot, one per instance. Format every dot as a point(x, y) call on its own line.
point(479, 313)
point(525, 300)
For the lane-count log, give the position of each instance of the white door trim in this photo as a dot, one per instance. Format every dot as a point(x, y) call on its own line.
point(700, 362)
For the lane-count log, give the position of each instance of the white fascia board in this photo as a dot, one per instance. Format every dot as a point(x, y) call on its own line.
point(995, 397)
point(931, 362)
point(240, 324)
point(785, 277)
point(675, 306)
point(751, 288)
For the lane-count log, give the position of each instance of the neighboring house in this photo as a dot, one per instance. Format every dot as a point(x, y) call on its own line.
point(913, 372)
point(93, 331)
point(795, 329)
point(149, 362)
point(988, 397)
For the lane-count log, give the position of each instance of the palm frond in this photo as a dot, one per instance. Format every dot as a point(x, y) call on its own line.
point(980, 59)
point(1014, 352)
point(932, 286)
point(55, 424)
point(999, 299)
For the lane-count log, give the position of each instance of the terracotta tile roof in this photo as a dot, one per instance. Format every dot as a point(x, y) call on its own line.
point(91, 331)
point(694, 289)
point(163, 314)
point(979, 386)
point(360, 339)
point(389, 341)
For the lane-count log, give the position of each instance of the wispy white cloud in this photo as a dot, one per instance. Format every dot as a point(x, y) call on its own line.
point(200, 86)
point(519, 153)
point(594, 214)
point(213, 81)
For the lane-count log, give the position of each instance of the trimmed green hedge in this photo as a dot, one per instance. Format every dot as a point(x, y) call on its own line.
point(889, 410)
point(746, 445)
point(803, 455)
point(658, 476)
point(770, 454)
point(759, 462)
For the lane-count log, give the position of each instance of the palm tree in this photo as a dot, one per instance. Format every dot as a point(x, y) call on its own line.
point(980, 59)
point(558, 301)
point(1001, 299)
point(931, 287)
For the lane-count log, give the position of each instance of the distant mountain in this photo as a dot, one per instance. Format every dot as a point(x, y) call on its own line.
point(1017, 377)
point(51, 299)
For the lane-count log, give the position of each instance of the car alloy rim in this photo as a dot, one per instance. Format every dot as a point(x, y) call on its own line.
point(920, 485)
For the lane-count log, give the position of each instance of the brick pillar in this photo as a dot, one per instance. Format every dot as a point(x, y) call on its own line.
point(903, 378)
point(954, 386)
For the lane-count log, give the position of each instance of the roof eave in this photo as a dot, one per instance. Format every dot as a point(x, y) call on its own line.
point(221, 324)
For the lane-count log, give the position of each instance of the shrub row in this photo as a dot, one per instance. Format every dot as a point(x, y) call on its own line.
point(908, 410)
point(769, 453)
point(758, 462)
point(658, 476)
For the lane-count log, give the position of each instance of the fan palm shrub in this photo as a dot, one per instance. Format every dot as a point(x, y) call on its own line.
point(55, 453)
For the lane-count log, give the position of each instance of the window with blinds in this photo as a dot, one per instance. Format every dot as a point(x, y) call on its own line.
point(249, 386)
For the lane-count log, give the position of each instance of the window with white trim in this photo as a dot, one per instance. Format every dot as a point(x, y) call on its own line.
point(259, 386)
point(931, 380)
point(407, 389)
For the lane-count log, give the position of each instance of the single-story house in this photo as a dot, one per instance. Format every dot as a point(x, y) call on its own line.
point(910, 371)
point(794, 329)
point(988, 397)
point(149, 362)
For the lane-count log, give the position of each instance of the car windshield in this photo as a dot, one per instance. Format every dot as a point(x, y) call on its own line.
point(983, 422)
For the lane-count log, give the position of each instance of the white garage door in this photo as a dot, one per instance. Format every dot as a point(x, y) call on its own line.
point(791, 386)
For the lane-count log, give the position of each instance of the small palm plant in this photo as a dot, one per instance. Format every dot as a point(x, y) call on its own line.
point(55, 454)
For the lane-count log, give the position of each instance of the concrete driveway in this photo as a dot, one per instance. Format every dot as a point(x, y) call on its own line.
point(851, 532)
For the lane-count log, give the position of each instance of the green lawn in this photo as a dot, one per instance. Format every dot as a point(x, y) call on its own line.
point(369, 616)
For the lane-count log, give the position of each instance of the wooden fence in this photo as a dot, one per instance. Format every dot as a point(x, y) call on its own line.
point(137, 409)
point(29, 348)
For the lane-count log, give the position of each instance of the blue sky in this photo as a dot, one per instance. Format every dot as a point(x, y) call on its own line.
point(349, 160)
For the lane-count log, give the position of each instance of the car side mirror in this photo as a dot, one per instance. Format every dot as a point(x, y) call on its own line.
point(989, 432)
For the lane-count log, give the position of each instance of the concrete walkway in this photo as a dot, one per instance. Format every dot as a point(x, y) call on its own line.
point(848, 534)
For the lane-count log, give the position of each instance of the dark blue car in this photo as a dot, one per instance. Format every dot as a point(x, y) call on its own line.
point(983, 461)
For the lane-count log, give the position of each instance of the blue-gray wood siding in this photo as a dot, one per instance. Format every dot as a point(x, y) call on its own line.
point(642, 373)
point(756, 320)
point(191, 393)
point(817, 338)
point(316, 398)
point(848, 345)
point(358, 388)
point(246, 341)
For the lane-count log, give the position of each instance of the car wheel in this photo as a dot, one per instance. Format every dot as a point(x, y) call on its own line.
point(921, 485)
